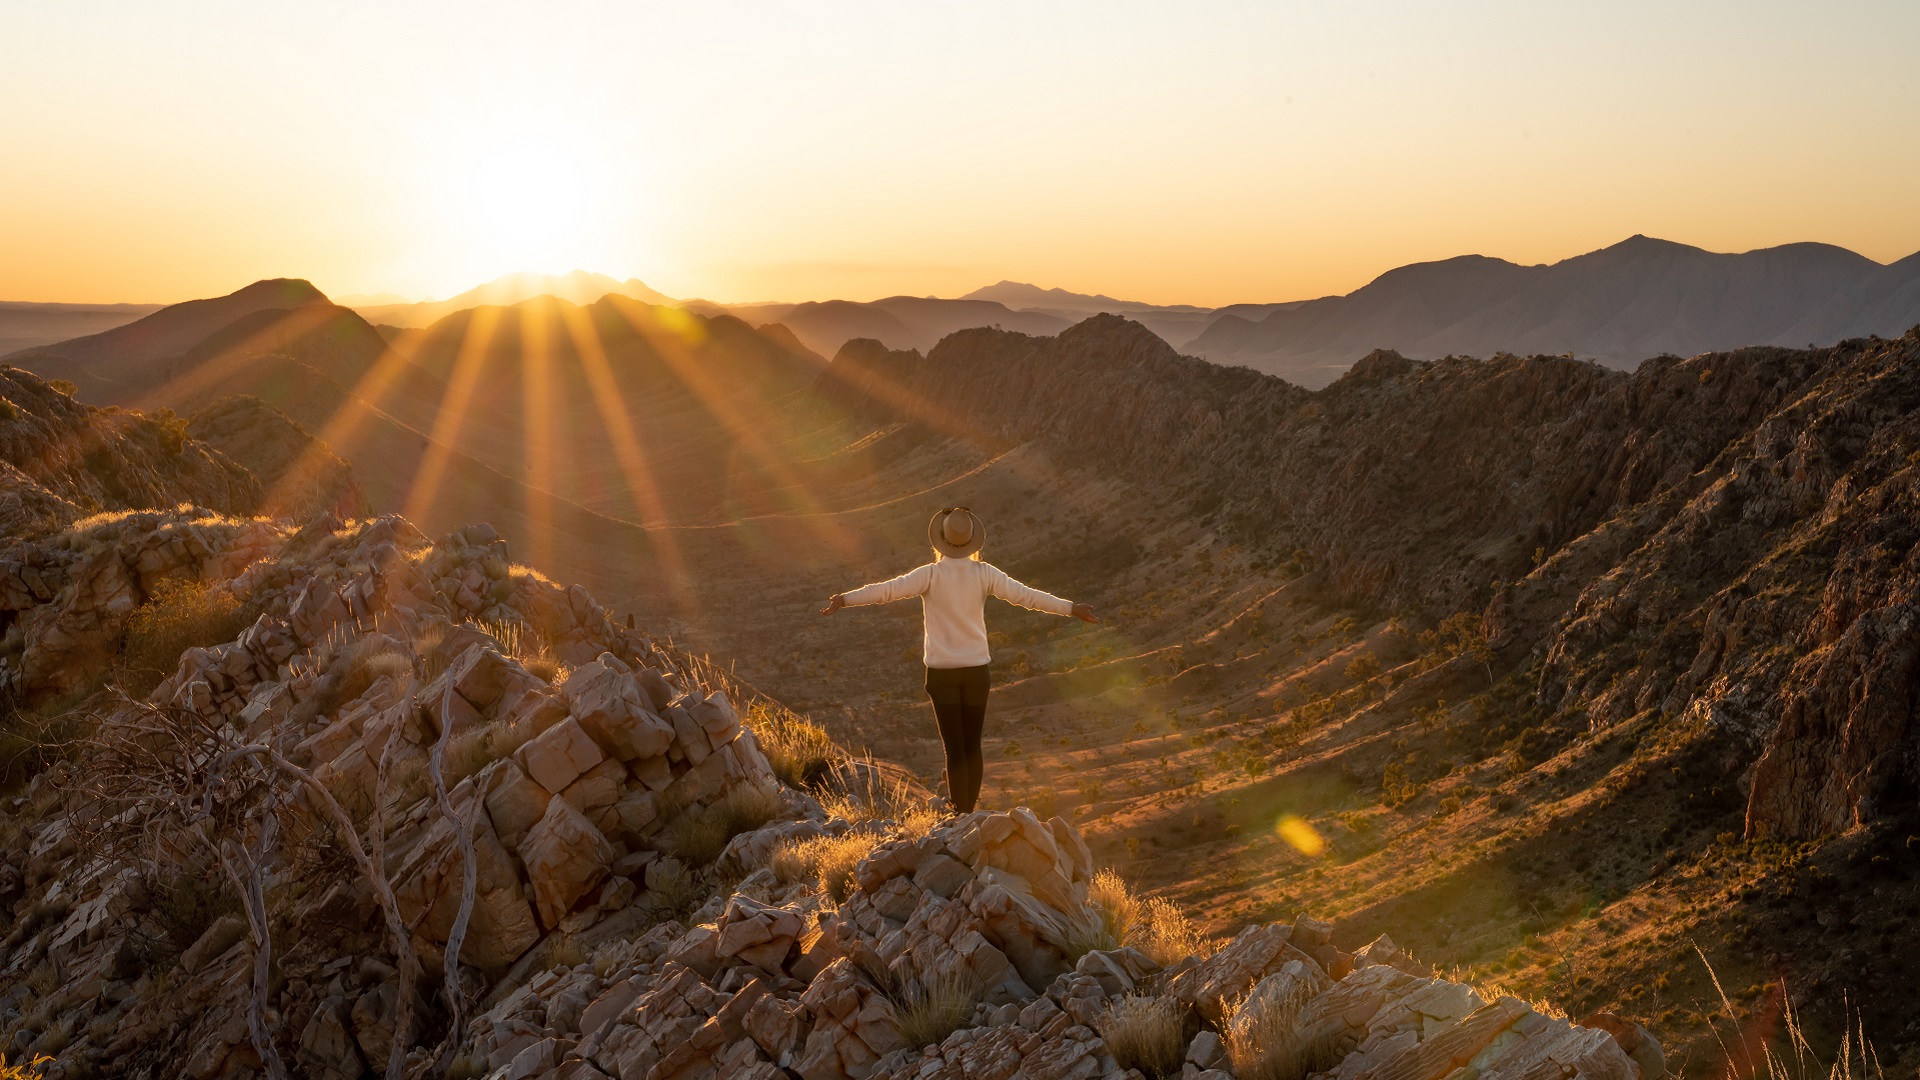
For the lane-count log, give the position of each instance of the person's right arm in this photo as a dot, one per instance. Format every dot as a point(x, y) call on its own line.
point(911, 583)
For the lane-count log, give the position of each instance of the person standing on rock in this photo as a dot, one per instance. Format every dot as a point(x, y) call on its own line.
point(953, 591)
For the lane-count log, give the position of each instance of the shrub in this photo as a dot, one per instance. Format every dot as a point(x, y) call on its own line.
point(1264, 1041)
point(930, 1009)
point(699, 836)
point(1167, 935)
point(672, 893)
point(1147, 1032)
point(802, 753)
point(827, 861)
point(184, 908)
point(178, 616)
point(1363, 667)
point(696, 838)
point(1119, 911)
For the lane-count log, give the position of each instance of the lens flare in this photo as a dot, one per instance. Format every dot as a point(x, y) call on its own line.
point(1294, 830)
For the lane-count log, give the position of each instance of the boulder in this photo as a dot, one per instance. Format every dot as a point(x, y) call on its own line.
point(612, 706)
point(514, 802)
point(1216, 982)
point(224, 933)
point(556, 757)
point(566, 857)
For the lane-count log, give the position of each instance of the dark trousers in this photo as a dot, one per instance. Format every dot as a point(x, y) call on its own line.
point(959, 698)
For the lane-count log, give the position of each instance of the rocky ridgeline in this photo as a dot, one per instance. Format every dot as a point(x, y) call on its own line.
point(599, 941)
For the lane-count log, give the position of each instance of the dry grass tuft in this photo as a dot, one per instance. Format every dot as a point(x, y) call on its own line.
point(1167, 935)
point(930, 1009)
point(861, 791)
point(469, 752)
point(25, 1070)
point(801, 752)
point(1119, 910)
point(827, 861)
point(1155, 927)
point(180, 615)
point(1264, 1041)
point(1747, 1057)
point(525, 644)
point(699, 836)
point(1147, 1032)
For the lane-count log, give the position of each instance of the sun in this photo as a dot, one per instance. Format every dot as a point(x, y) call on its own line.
point(527, 200)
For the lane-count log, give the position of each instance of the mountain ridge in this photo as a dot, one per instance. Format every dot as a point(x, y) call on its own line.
point(1639, 298)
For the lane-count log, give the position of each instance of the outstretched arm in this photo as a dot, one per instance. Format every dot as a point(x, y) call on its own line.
point(1026, 596)
point(911, 583)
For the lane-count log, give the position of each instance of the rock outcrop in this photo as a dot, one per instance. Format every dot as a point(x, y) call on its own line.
point(61, 460)
point(635, 911)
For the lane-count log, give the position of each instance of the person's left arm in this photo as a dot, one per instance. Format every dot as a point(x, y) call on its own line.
point(1000, 584)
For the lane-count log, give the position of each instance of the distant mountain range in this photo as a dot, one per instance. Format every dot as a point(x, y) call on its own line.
point(1620, 305)
point(1640, 298)
point(24, 325)
point(575, 287)
point(1175, 323)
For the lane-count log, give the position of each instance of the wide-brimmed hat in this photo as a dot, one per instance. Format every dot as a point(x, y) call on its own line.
point(956, 532)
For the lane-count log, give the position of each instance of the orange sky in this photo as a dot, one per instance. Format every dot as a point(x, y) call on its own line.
point(1198, 153)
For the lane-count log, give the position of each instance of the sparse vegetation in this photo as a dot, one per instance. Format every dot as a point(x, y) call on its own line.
point(179, 615)
point(933, 1007)
point(802, 753)
point(184, 908)
point(827, 861)
point(699, 836)
point(1147, 1032)
point(1264, 1041)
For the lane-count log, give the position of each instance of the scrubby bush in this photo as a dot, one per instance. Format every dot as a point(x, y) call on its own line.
point(672, 892)
point(1264, 1041)
point(1156, 927)
point(179, 615)
point(699, 836)
point(802, 753)
point(827, 861)
point(1147, 1032)
point(930, 1009)
point(184, 908)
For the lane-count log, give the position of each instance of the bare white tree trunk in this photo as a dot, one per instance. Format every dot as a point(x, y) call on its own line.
point(247, 870)
point(372, 865)
point(469, 886)
point(408, 963)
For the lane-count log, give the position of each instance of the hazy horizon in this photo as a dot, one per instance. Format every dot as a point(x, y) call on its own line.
point(1228, 154)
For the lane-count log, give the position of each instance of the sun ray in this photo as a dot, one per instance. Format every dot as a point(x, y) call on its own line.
point(469, 362)
point(670, 341)
point(536, 439)
point(627, 451)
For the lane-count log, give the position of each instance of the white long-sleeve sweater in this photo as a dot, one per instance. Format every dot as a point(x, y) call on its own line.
point(953, 598)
